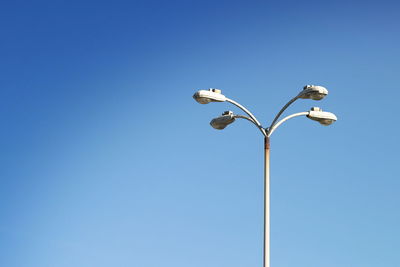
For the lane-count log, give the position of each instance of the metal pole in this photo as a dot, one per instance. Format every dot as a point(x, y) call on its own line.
point(266, 260)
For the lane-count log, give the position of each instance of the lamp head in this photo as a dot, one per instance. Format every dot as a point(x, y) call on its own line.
point(222, 121)
point(210, 95)
point(323, 117)
point(314, 92)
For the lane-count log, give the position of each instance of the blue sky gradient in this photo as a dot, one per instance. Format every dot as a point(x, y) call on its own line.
point(106, 160)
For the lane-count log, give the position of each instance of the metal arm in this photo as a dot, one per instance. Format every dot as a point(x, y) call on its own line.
point(271, 130)
point(286, 106)
point(282, 110)
point(246, 118)
point(254, 120)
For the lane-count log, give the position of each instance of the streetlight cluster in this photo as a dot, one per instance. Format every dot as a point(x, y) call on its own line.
point(313, 92)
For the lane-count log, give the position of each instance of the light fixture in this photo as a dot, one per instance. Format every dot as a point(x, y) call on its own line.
point(222, 121)
point(309, 92)
point(314, 92)
point(210, 95)
point(323, 117)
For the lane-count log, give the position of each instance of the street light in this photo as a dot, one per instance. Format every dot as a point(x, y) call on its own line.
point(323, 117)
point(210, 95)
point(222, 121)
point(313, 92)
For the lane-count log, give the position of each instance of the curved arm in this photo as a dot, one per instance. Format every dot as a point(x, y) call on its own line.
point(255, 121)
point(245, 110)
point(286, 106)
point(282, 110)
point(285, 119)
point(246, 118)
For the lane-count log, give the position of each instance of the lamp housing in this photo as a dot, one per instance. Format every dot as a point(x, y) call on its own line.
point(222, 121)
point(210, 95)
point(314, 92)
point(323, 117)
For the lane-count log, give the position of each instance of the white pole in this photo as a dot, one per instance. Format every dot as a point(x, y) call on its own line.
point(266, 260)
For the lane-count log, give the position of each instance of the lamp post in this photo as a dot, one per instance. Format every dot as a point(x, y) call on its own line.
point(309, 92)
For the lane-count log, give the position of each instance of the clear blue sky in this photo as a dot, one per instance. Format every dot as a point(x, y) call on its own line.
point(106, 160)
